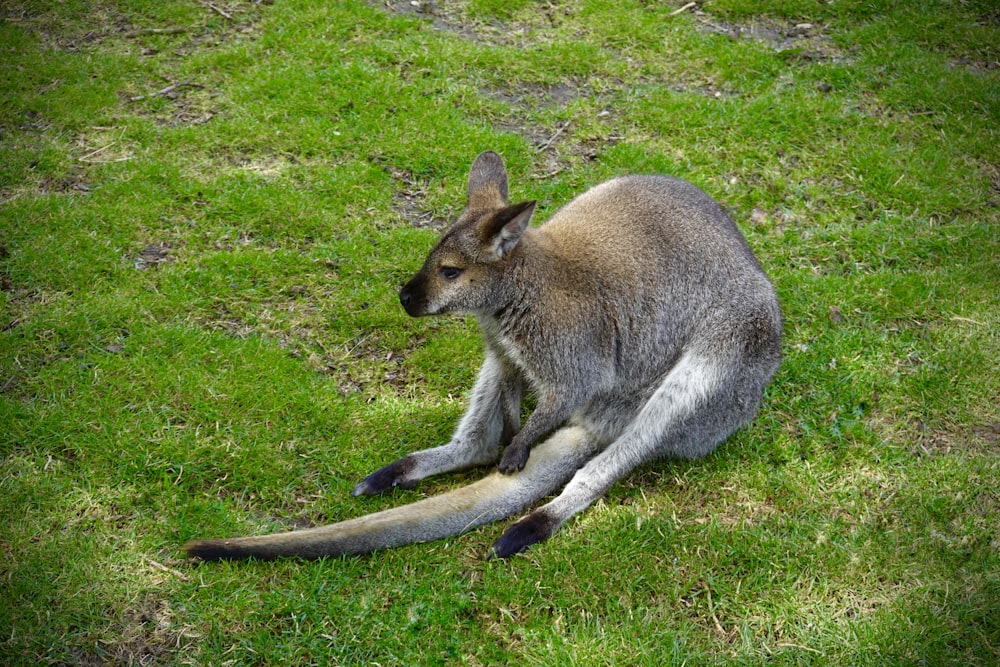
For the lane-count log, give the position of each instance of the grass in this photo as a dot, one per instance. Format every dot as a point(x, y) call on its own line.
point(206, 211)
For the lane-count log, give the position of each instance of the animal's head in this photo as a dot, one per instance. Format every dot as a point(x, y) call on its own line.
point(464, 272)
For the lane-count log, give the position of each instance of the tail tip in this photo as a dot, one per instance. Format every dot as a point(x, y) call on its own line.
point(209, 550)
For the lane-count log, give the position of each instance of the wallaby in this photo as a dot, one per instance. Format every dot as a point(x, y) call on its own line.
point(637, 315)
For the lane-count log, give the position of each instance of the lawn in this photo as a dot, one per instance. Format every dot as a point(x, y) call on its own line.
point(207, 209)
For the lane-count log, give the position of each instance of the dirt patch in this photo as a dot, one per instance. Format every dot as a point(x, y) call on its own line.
point(71, 183)
point(988, 434)
point(368, 367)
point(554, 144)
point(265, 167)
point(18, 301)
point(558, 144)
point(152, 256)
point(105, 25)
point(185, 103)
point(363, 365)
point(440, 15)
point(149, 633)
point(537, 96)
point(56, 33)
point(991, 172)
point(795, 41)
point(409, 198)
point(30, 139)
point(987, 63)
point(798, 40)
point(106, 22)
point(962, 438)
point(269, 166)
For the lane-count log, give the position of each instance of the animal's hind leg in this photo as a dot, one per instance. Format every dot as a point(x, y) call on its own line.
point(698, 405)
point(492, 418)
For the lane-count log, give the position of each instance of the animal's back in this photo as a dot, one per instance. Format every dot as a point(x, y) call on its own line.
point(652, 219)
point(656, 261)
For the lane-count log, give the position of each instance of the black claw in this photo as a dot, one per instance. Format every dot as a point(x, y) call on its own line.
point(536, 527)
point(385, 478)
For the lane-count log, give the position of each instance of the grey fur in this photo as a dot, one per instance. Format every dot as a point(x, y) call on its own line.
point(637, 315)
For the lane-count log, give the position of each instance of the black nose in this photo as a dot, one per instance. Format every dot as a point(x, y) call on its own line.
point(412, 300)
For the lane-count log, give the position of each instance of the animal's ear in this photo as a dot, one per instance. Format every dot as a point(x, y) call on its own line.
point(487, 182)
point(504, 229)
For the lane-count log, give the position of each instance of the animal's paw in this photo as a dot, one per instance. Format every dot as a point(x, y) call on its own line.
point(536, 527)
point(386, 477)
point(514, 458)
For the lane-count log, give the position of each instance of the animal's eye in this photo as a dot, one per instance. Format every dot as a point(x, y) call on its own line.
point(450, 272)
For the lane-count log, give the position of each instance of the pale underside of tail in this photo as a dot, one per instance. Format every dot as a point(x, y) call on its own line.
point(497, 496)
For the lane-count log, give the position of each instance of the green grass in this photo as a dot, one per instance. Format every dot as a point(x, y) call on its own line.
point(199, 331)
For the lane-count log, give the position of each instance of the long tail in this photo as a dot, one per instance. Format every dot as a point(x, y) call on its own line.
point(496, 497)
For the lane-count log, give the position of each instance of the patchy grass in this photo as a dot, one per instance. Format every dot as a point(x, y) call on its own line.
point(206, 210)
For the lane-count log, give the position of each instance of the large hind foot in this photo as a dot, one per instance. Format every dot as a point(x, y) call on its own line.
point(536, 527)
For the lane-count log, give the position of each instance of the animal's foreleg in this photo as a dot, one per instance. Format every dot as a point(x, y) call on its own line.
point(491, 418)
point(549, 414)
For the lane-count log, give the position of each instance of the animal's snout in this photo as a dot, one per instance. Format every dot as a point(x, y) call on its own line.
point(411, 300)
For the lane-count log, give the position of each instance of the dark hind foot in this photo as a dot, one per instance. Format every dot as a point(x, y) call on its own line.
point(536, 527)
point(386, 477)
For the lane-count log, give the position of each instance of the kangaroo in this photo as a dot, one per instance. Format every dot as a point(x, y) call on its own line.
point(637, 315)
